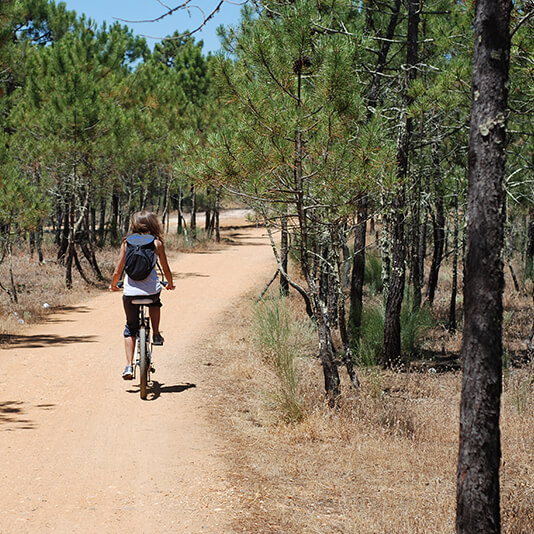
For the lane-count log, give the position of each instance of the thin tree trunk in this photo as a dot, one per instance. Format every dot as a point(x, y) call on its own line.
point(454, 289)
point(331, 375)
point(13, 292)
point(217, 212)
point(193, 223)
point(39, 242)
point(65, 232)
point(92, 225)
point(284, 255)
point(416, 262)
point(438, 226)
point(529, 253)
point(358, 272)
point(392, 326)
point(180, 228)
point(115, 217)
point(479, 454)
point(79, 267)
point(208, 215)
point(102, 222)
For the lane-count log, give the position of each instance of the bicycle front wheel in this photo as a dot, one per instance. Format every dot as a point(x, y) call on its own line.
point(144, 364)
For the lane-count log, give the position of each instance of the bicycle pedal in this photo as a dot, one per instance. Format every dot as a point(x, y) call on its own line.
point(152, 370)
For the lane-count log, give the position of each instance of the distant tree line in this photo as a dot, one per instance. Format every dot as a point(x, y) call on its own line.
point(92, 124)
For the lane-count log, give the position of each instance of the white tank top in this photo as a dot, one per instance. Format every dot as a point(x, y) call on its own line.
point(149, 286)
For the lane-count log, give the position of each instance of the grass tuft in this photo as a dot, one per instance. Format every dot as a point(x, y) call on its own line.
point(415, 324)
point(278, 338)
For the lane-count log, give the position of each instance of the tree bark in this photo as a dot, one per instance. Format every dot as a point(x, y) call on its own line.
point(115, 217)
point(438, 226)
point(193, 223)
point(358, 272)
point(529, 253)
point(284, 255)
point(392, 326)
point(102, 222)
point(455, 247)
point(480, 450)
point(216, 214)
point(416, 262)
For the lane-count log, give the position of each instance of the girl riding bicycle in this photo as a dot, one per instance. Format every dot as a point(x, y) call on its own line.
point(147, 223)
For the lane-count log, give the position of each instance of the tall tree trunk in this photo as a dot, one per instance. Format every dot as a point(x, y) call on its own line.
point(392, 326)
point(284, 256)
point(102, 222)
point(451, 326)
point(438, 226)
point(330, 372)
point(416, 246)
point(193, 223)
point(480, 450)
point(392, 322)
point(180, 228)
point(217, 211)
point(529, 253)
point(115, 217)
point(92, 225)
point(13, 291)
point(208, 215)
point(358, 272)
point(65, 232)
point(39, 242)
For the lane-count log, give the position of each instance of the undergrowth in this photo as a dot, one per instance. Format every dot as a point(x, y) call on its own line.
point(415, 325)
point(384, 461)
point(280, 340)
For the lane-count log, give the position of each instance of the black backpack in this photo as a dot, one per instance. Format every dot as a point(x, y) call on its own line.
point(140, 256)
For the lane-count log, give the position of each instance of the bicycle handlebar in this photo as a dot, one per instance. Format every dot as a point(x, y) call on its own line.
point(164, 283)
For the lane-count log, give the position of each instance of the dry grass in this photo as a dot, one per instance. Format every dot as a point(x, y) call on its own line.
point(41, 287)
point(385, 462)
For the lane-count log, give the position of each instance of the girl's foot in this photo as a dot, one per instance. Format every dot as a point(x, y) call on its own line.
point(128, 373)
point(157, 339)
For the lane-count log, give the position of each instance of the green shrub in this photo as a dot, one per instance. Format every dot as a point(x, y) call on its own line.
point(414, 325)
point(373, 273)
point(371, 341)
point(281, 340)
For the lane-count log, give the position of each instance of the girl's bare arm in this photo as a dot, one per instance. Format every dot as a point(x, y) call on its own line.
point(160, 251)
point(118, 269)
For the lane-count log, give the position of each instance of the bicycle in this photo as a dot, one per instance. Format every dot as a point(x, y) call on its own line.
point(143, 346)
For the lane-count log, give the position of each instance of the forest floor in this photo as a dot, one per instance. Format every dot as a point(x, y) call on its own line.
point(211, 449)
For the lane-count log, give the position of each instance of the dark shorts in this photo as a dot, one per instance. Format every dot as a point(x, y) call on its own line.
point(132, 312)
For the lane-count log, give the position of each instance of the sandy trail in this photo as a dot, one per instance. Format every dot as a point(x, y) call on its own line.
point(79, 450)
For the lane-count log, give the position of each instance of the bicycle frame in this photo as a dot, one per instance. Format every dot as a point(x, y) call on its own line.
point(143, 347)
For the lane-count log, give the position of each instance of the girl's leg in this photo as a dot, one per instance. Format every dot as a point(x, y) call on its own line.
point(155, 315)
point(130, 331)
point(129, 348)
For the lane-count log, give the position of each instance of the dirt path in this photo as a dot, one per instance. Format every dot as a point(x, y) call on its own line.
point(79, 450)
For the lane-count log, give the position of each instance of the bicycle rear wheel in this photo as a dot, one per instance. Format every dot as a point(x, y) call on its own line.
point(144, 363)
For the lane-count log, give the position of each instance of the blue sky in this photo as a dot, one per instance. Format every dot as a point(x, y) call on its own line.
point(100, 10)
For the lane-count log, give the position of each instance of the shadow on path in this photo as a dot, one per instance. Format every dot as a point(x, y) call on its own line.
point(15, 341)
point(181, 276)
point(12, 415)
point(243, 240)
point(156, 389)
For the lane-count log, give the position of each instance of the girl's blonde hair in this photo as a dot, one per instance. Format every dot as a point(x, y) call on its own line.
point(146, 222)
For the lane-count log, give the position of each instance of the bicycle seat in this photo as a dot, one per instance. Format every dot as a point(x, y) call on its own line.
point(142, 301)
